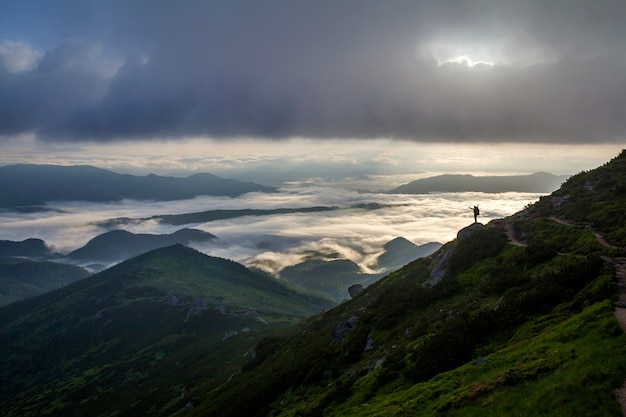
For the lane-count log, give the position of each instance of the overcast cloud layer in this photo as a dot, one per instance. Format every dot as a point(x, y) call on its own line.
point(527, 71)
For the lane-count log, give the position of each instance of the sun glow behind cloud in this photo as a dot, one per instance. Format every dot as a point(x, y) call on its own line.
point(447, 51)
point(466, 60)
point(492, 51)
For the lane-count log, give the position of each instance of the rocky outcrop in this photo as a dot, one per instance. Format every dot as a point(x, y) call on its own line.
point(369, 344)
point(441, 261)
point(171, 299)
point(196, 308)
point(355, 290)
point(439, 270)
point(467, 231)
point(341, 329)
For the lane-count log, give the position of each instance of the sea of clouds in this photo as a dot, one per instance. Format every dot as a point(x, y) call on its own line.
point(275, 241)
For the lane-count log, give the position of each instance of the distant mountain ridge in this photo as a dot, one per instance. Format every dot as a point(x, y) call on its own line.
point(332, 275)
point(26, 185)
point(212, 215)
point(539, 182)
point(31, 248)
point(119, 245)
point(400, 251)
point(31, 267)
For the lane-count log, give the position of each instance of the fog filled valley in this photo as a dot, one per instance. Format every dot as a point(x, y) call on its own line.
point(269, 230)
point(354, 231)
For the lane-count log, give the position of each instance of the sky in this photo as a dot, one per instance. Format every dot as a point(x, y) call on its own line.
point(418, 71)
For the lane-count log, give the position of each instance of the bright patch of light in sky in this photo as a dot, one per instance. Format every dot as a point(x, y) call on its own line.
point(466, 60)
point(445, 51)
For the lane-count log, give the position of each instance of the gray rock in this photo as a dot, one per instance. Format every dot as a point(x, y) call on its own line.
point(341, 329)
point(196, 308)
point(355, 290)
point(171, 299)
point(439, 270)
point(467, 231)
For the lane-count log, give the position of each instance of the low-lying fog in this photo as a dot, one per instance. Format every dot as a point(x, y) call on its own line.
point(275, 241)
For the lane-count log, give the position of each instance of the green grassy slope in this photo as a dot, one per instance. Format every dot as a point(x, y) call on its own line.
point(595, 199)
point(509, 329)
point(22, 278)
point(139, 335)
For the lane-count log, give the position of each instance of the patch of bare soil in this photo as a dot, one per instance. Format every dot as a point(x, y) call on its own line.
point(510, 233)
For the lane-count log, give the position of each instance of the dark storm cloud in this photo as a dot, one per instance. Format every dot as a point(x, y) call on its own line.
point(356, 69)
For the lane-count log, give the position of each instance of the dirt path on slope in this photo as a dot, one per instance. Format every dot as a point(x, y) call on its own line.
point(601, 240)
point(619, 263)
point(620, 272)
point(510, 234)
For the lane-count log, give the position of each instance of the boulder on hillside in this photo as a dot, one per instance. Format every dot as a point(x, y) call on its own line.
point(467, 231)
point(441, 261)
point(439, 270)
point(341, 329)
point(355, 290)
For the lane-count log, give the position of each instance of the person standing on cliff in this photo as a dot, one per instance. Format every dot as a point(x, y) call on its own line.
point(476, 213)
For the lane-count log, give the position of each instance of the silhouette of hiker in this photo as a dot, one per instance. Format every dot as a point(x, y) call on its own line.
point(476, 213)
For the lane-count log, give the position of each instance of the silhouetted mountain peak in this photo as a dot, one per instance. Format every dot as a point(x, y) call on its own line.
point(539, 182)
point(399, 243)
point(32, 247)
point(119, 245)
point(29, 185)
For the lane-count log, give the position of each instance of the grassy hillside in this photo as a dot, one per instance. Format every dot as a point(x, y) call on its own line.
point(594, 199)
point(139, 336)
point(485, 326)
point(22, 278)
